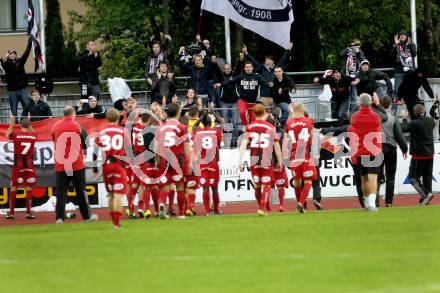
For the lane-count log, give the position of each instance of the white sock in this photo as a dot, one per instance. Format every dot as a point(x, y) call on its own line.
point(372, 198)
point(366, 201)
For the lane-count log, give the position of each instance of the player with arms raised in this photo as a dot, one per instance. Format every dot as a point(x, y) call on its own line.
point(299, 138)
point(264, 142)
point(206, 150)
point(23, 172)
point(174, 151)
point(112, 140)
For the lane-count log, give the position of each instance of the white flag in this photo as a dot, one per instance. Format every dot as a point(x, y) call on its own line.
point(269, 18)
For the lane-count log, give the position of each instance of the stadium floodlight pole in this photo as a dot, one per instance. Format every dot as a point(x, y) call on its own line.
point(414, 27)
point(227, 40)
point(42, 35)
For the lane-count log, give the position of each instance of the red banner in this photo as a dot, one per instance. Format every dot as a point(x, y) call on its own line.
point(43, 128)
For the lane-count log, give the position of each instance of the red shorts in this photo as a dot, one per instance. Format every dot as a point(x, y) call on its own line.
point(150, 175)
point(115, 178)
point(280, 178)
point(131, 175)
point(304, 171)
point(23, 177)
point(172, 174)
point(129, 172)
point(192, 182)
point(209, 176)
point(262, 175)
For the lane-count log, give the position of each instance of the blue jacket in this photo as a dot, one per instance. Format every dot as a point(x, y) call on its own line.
point(200, 76)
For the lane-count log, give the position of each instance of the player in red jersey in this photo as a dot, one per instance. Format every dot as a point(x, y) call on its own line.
point(23, 172)
point(299, 138)
point(280, 182)
point(206, 150)
point(112, 140)
point(173, 148)
point(150, 172)
point(264, 142)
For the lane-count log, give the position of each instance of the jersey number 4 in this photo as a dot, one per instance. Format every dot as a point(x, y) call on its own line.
point(303, 135)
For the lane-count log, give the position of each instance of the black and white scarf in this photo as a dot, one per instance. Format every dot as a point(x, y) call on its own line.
point(405, 57)
point(154, 61)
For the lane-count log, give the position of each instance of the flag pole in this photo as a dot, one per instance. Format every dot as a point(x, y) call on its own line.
point(227, 40)
point(200, 18)
point(414, 27)
point(42, 35)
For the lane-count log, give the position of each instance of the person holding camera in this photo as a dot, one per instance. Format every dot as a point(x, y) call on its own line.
point(402, 54)
point(354, 56)
point(16, 78)
point(157, 56)
point(89, 63)
point(409, 89)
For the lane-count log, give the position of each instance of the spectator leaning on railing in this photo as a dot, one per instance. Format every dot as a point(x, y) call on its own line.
point(283, 86)
point(267, 71)
point(16, 77)
point(37, 108)
point(92, 111)
point(228, 103)
point(340, 87)
point(366, 80)
point(89, 63)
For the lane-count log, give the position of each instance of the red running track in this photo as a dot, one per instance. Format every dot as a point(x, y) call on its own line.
point(246, 207)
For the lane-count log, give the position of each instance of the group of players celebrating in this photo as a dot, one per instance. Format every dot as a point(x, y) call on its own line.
point(156, 155)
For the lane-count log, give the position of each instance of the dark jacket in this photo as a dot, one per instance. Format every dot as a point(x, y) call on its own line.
point(162, 87)
point(340, 88)
point(410, 86)
point(88, 67)
point(99, 111)
point(14, 70)
point(247, 85)
point(398, 66)
point(368, 82)
point(38, 111)
point(352, 69)
point(200, 76)
point(281, 89)
point(268, 72)
point(421, 136)
point(228, 92)
point(239, 67)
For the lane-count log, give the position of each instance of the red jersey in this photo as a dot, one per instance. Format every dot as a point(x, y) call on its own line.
point(206, 144)
point(171, 136)
point(262, 136)
point(112, 140)
point(137, 139)
point(24, 147)
point(300, 135)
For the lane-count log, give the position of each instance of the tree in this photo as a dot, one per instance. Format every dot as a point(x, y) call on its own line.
point(54, 37)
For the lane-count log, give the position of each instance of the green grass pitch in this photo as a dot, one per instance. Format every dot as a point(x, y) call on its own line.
point(394, 250)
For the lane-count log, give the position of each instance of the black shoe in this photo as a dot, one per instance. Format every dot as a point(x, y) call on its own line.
point(317, 205)
point(171, 212)
point(30, 216)
point(300, 208)
point(377, 201)
point(304, 207)
point(427, 199)
point(389, 205)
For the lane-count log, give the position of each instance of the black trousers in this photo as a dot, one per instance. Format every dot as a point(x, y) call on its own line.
point(389, 164)
point(420, 176)
point(358, 182)
point(316, 185)
point(78, 179)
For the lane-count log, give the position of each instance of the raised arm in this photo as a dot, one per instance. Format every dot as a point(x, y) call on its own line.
point(25, 55)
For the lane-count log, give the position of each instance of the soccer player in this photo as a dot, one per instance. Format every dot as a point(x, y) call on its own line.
point(149, 180)
point(299, 137)
point(173, 147)
point(23, 172)
point(112, 140)
point(206, 150)
point(263, 142)
point(281, 182)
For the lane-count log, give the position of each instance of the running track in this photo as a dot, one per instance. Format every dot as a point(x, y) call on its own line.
point(247, 207)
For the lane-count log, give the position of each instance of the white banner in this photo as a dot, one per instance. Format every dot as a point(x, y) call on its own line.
point(271, 19)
